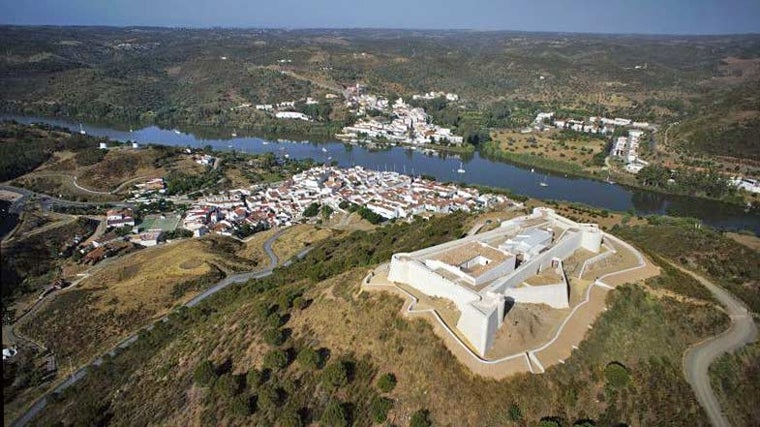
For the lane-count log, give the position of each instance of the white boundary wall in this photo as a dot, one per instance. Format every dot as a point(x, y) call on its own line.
point(414, 273)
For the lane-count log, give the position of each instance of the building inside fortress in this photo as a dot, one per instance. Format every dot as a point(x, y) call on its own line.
point(518, 262)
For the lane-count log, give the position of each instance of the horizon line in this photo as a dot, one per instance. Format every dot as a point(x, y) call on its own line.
point(369, 28)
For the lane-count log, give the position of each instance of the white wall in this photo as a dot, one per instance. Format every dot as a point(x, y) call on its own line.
point(506, 267)
point(479, 327)
point(416, 275)
point(551, 295)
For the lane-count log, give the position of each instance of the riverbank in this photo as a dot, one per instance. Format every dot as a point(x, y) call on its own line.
point(491, 151)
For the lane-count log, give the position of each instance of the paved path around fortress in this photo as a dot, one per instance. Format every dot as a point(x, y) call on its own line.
point(697, 360)
point(40, 403)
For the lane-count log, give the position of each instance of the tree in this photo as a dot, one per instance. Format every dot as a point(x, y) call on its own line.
point(421, 418)
point(309, 358)
point(289, 418)
point(227, 385)
point(327, 211)
point(300, 302)
point(269, 398)
point(204, 373)
point(334, 415)
point(617, 375)
point(241, 406)
point(254, 378)
point(379, 407)
point(335, 376)
point(387, 382)
point(311, 210)
point(274, 336)
point(275, 360)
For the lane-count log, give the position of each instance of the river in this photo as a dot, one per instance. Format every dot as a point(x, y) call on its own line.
point(478, 170)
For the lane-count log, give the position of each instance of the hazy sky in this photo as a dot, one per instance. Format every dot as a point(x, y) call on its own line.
point(606, 16)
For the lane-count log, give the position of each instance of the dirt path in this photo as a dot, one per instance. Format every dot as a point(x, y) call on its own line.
point(697, 359)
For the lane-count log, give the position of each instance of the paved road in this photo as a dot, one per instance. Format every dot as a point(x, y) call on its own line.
point(18, 205)
point(697, 360)
point(40, 404)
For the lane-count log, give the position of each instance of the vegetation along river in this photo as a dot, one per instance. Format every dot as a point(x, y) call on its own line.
point(478, 170)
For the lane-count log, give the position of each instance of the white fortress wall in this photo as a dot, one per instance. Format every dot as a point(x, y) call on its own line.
point(434, 264)
point(479, 326)
point(592, 237)
point(506, 267)
point(552, 295)
point(417, 275)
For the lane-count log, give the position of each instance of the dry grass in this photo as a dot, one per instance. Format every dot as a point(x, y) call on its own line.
point(296, 238)
point(60, 185)
point(752, 242)
point(146, 278)
point(126, 293)
point(569, 151)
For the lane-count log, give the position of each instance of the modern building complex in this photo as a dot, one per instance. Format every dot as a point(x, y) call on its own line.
point(519, 262)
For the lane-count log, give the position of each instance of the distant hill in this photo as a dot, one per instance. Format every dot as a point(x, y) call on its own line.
point(200, 76)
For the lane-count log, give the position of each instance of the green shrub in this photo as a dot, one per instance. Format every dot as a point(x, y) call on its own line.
point(514, 412)
point(289, 418)
point(309, 358)
point(300, 302)
point(274, 337)
point(227, 385)
point(269, 398)
point(617, 375)
point(241, 406)
point(334, 415)
point(204, 373)
point(421, 418)
point(379, 407)
point(335, 376)
point(386, 383)
point(254, 378)
point(275, 360)
point(274, 320)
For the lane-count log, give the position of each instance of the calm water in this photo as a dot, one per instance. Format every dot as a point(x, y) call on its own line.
point(479, 170)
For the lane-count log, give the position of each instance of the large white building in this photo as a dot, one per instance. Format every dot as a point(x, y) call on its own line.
point(480, 274)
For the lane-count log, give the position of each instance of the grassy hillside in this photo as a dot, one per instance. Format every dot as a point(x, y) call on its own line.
point(731, 264)
point(304, 346)
point(124, 294)
point(736, 381)
point(32, 262)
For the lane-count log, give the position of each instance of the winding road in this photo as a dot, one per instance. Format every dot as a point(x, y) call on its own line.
point(697, 360)
point(47, 200)
point(40, 403)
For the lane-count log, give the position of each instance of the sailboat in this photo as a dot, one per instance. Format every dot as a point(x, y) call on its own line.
point(461, 168)
point(81, 129)
point(543, 183)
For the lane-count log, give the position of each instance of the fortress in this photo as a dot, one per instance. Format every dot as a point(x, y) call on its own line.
point(484, 274)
